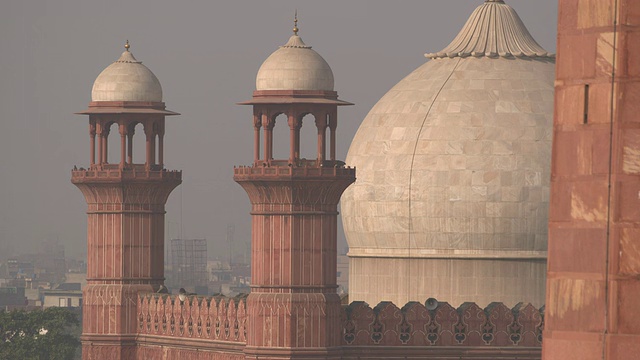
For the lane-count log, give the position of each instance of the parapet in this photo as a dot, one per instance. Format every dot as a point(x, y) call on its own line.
point(281, 169)
point(468, 325)
point(216, 327)
point(114, 173)
point(198, 317)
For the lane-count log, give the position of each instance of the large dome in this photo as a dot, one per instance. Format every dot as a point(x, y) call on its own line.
point(295, 66)
point(454, 163)
point(126, 80)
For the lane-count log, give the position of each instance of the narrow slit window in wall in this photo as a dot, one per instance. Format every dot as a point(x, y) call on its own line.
point(585, 119)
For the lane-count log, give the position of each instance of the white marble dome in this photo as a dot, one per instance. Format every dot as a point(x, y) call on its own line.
point(126, 80)
point(454, 163)
point(295, 66)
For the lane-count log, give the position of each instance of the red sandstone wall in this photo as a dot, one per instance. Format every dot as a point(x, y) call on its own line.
point(215, 328)
point(467, 326)
point(198, 328)
point(593, 283)
point(197, 317)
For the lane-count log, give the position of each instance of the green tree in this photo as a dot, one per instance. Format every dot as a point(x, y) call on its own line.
point(39, 335)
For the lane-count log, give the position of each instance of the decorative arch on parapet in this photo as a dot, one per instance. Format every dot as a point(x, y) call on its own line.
point(468, 325)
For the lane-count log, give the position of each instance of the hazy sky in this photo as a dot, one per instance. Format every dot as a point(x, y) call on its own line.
point(206, 55)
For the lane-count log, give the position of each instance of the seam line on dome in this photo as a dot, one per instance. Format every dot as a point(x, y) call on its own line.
point(607, 255)
point(413, 156)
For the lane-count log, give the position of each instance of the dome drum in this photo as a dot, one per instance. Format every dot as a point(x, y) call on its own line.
point(310, 97)
point(127, 107)
point(327, 94)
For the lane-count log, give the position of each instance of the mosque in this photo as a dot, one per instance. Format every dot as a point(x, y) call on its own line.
point(445, 202)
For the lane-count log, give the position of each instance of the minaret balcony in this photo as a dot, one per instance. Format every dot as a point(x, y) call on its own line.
point(129, 172)
point(301, 168)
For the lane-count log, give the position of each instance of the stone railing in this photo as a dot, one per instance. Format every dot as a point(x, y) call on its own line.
point(218, 325)
point(284, 170)
point(415, 325)
point(117, 174)
point(198, 317)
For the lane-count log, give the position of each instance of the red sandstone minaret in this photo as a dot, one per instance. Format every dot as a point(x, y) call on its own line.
point(125, 237)
point(293, 305)
point(593, 280)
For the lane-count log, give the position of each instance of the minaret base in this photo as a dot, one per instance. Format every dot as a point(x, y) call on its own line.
point(109, 320)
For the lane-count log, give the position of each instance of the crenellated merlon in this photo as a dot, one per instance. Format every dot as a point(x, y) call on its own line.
point(468, 325)
point(210, 318)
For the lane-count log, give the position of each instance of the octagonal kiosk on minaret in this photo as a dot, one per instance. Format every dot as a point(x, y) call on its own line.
point(293, 305)
point(126, 205)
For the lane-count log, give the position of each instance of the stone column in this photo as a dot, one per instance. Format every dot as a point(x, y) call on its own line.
point(292, 138)
point(148, 132)
point(105, 145)
point(257, 123)
point(123, 144)
point(295, 123)
point(161, 146)
point(92, 136)
point(267, 124)
point(321, 125)
point(333, 124)
point(130, 134)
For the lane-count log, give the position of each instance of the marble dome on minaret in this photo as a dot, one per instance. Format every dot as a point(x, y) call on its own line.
point(451, 199)
point(126, 80)
point(295, 66)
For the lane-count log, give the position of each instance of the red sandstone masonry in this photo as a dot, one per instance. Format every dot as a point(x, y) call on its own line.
point(469, 325)
point(215, 328)
point(594, 264)
point(198, 328)
point(210, 318)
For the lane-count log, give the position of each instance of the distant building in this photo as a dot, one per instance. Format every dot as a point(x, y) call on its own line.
point(17, 269)
point(65, 295)
point(189, 264)
point(12, 297)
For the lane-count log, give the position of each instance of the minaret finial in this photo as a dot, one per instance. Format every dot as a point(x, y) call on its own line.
point(127, 46)
point(295, 23)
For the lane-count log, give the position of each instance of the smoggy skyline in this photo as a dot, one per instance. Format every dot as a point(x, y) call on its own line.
point(206, 56)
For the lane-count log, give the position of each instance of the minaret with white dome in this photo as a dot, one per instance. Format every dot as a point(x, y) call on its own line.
point(293, 304)
point(126, 199)
point(452, 195)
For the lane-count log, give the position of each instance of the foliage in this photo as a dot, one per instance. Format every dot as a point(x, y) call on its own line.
point(39, 335)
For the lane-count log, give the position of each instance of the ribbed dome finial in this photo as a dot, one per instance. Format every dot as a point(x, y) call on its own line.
point(126, 45)
point(493, 30)
point(295, 23)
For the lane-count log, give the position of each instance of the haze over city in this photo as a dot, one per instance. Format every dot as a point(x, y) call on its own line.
point(206, 56)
